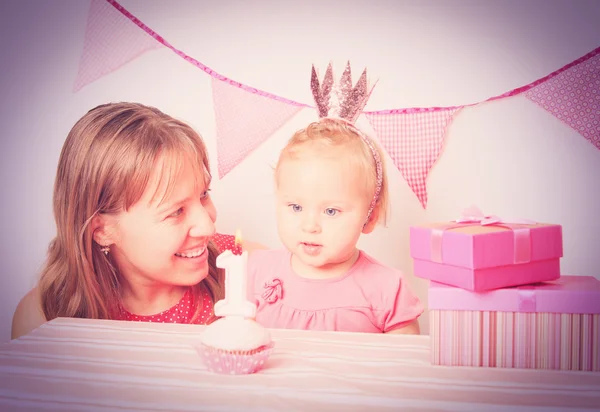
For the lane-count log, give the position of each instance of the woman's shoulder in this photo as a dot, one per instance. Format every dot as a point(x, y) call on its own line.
point(227, 242)
point(28, 314)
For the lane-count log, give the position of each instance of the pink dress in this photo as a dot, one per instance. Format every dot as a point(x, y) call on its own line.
point(183, 311)
point(370, 297)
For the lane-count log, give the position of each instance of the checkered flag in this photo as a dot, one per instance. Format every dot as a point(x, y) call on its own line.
point(414, 142)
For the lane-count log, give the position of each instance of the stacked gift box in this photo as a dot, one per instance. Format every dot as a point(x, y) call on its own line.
point(497, 297)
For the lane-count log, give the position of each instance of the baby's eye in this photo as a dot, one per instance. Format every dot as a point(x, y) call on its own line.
point(330, 211)
point(205, 194)
point(296, 208)
point(177, 213)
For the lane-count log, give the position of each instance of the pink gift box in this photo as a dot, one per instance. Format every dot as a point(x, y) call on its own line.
point(550, 325)
point(486, 257)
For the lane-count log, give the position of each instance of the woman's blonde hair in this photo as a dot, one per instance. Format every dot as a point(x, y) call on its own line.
point(336, 133)
point(104, 167)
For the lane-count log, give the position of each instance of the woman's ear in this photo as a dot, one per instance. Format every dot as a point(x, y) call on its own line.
point(372, 222)
point(101, 230)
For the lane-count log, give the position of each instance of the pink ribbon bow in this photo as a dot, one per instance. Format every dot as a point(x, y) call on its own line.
point(273, 291)
point(473, 216)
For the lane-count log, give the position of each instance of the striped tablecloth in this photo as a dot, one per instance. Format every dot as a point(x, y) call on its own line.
point(92, 365)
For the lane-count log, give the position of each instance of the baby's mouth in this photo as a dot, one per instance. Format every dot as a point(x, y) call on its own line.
point(311, 249)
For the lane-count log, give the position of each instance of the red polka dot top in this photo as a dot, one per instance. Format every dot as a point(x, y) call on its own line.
point(184, 310)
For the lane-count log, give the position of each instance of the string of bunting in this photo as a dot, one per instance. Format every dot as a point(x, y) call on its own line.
point(246, 116)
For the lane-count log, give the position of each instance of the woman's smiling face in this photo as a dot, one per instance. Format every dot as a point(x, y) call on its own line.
point(163, 237)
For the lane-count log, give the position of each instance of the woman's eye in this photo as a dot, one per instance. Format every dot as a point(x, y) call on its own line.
point(177, 213)
point(330, 212)
point(296, 208)
point(205, 194)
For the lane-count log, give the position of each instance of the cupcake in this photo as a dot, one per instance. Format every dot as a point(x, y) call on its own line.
point(235, 346)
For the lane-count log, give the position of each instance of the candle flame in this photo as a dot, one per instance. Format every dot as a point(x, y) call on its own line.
point(238, 238)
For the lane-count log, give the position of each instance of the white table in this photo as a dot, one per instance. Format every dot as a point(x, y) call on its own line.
point(95, 365)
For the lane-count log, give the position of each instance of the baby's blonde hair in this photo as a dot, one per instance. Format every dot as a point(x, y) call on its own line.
point(336, 133)
point(104, 167)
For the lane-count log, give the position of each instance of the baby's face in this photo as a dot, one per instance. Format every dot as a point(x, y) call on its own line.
point(322, 205)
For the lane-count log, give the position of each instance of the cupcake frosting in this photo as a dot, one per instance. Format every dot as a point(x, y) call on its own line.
point(235, 333)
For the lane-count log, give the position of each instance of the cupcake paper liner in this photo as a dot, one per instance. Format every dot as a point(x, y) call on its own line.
point(234, 362)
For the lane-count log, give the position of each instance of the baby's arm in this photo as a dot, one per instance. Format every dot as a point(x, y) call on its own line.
point(28, 315)
point(404, 310)
point(411, 328)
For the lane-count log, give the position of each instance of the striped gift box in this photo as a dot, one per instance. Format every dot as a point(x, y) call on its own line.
point(550, 325)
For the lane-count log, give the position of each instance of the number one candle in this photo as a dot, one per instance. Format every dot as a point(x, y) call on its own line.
point(235, 265)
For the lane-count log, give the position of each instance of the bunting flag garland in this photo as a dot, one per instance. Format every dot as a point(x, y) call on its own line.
point(246, 117)
point(414, 137)
point(573, 96)
point(414, 140)
point(244, 120)
point(110, 42)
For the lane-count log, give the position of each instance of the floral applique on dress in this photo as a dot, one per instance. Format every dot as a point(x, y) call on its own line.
point(273, 291)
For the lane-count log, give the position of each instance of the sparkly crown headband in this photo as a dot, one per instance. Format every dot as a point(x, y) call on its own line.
point(345, 102)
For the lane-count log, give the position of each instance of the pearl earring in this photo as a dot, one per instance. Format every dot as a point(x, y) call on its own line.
point(105, 250)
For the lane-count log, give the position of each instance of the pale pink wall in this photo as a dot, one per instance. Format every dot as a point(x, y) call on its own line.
point(509, 157)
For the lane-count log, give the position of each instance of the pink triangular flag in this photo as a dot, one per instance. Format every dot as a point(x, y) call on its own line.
point(414, 142)
point(573, 96)
point(244, 120)
point(111, 40)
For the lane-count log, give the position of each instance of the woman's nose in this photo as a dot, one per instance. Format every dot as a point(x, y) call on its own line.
point(202, 224)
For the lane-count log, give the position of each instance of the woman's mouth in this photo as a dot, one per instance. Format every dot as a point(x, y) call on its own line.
point(193, 253)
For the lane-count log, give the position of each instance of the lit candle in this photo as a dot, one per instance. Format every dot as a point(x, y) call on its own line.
point(235, 265)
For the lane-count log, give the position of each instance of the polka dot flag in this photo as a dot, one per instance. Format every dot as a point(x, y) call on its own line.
point(244, 120)
point(573, 96)
point(110, 42)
